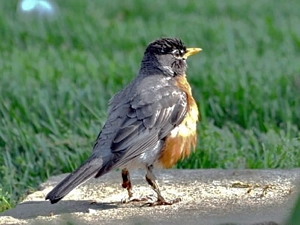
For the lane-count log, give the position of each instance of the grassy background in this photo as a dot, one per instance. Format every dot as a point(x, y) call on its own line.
point(57, 75)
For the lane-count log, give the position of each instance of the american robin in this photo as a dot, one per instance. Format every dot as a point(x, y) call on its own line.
point(151, 122)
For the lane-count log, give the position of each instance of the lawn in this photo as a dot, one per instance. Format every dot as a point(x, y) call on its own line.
point(57, 75)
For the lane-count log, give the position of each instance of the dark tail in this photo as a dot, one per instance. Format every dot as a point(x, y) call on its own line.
point(87, 170)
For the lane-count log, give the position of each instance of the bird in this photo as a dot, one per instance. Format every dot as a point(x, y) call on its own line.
point(151, 123)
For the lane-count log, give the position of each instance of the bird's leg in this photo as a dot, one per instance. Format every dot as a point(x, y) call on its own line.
point(150, 178)
point(127, 184)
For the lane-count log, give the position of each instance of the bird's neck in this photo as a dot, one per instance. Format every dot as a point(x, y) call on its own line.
point(150, 66)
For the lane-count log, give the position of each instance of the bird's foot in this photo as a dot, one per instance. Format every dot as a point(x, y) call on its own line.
point(136, 199)
point(161, 202)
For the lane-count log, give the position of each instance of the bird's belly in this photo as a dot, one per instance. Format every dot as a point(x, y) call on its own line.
point(180, 141)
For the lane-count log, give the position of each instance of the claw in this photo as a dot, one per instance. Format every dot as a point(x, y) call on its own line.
point(134, 199)
point(161, 202)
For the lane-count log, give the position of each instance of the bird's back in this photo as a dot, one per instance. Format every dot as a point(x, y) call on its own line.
point(139, 120)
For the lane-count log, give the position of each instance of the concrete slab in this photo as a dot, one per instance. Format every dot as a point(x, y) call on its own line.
point(209, 197)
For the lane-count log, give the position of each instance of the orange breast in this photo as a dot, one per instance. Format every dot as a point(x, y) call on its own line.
point(180, 141)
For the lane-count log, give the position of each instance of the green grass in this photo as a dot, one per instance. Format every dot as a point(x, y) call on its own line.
point(57, 76)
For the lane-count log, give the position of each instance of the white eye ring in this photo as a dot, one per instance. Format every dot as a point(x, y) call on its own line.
point(176, 53)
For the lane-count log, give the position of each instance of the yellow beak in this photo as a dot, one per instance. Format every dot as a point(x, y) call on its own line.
point(191, 51)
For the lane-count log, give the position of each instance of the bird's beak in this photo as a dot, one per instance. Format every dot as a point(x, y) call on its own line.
point(191, 51)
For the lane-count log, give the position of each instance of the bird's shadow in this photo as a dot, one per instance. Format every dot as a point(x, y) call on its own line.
point(33, 209)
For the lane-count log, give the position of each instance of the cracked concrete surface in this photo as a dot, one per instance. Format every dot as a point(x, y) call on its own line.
point(209, 197)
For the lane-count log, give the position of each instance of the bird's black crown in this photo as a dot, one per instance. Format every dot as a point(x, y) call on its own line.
point(166, 46)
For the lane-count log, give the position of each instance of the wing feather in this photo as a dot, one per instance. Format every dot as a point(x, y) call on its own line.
point(138, 124)
point(149, 121)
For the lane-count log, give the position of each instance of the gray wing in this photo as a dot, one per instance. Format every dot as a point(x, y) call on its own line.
point(150, 118)
point(138, 124)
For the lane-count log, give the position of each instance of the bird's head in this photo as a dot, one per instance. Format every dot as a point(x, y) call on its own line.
point(167, 55)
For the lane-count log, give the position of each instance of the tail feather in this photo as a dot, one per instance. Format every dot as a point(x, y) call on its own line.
point(87, 170)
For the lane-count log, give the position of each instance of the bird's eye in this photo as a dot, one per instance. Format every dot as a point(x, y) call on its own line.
point(176, 53)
